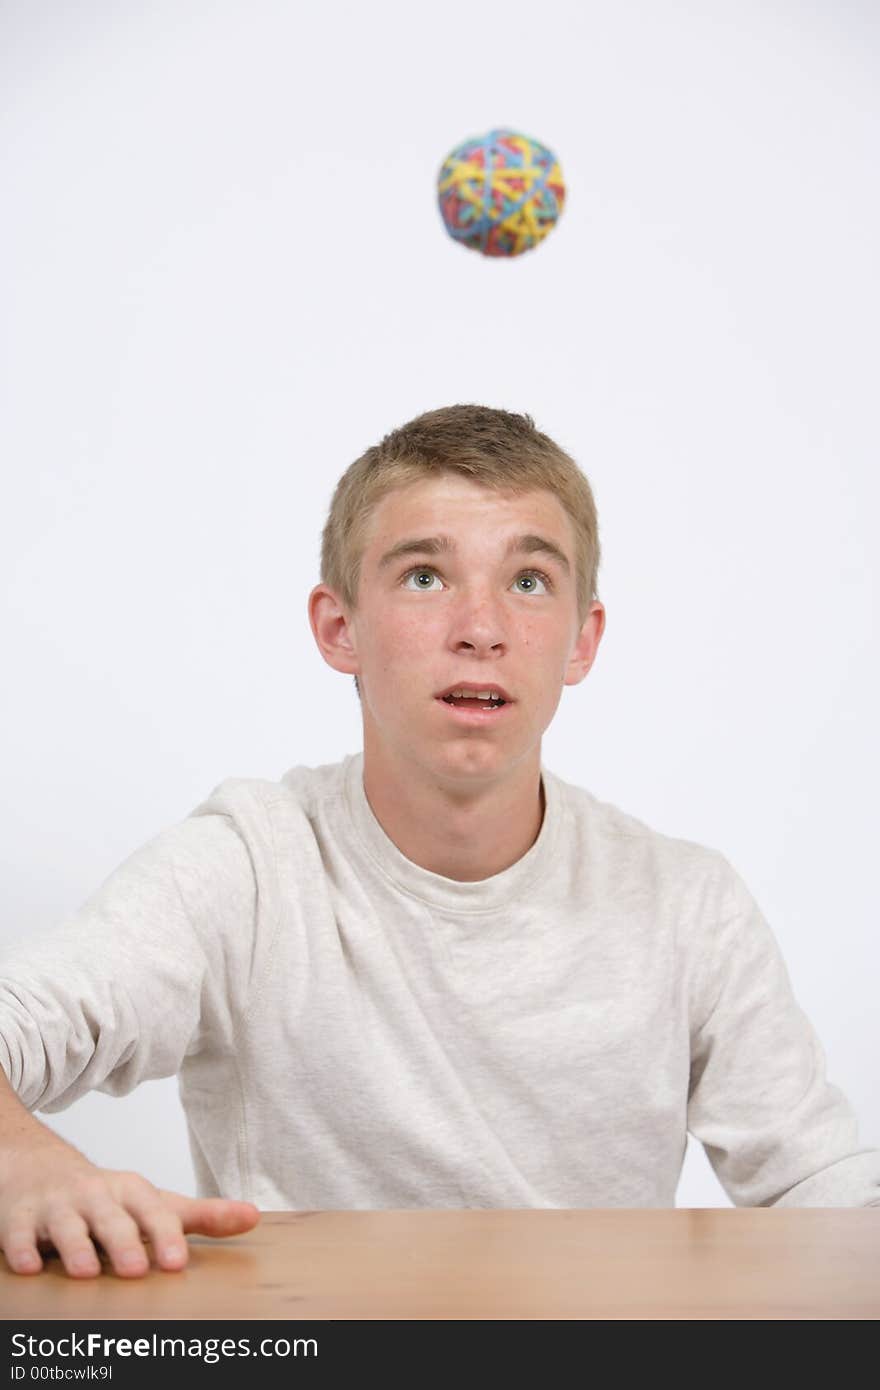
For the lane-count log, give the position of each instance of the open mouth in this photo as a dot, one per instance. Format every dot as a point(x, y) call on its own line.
point(476, 705)
point(473, 702)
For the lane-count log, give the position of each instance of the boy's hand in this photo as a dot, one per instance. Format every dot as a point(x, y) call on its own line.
point(58, 1198)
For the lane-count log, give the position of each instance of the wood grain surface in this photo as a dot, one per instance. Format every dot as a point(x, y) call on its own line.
point(597, 1264)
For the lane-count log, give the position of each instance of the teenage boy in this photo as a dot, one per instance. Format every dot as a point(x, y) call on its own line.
point(433, 974)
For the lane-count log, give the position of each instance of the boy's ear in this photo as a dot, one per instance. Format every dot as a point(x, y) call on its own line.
point(583, 653)
point(332, 630)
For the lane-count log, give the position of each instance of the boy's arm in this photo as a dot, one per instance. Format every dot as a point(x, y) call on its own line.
point(152, 968)
point(51, 1194)
point(775, 1130)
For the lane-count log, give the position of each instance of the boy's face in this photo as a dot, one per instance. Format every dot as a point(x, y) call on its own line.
point(477, 613)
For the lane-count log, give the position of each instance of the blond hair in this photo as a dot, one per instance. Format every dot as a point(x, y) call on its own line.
point(495, 448)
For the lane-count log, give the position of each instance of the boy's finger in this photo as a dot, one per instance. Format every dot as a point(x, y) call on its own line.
point(20, 1247)
point(69, 1234)
point(214, 1216)
point(118, 1233)
point(163, 1228)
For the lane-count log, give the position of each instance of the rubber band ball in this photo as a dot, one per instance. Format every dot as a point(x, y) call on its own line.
point(500, 193)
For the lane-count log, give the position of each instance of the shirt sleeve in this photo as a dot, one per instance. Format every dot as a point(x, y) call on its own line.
point(775, 1130)
point(149, 970)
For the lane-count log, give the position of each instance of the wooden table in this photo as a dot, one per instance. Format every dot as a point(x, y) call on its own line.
point(597, 1264)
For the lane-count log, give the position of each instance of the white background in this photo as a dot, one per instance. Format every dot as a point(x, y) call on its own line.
point(224, 275)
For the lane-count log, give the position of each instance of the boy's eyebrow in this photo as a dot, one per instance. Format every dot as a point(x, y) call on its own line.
point(528, 544)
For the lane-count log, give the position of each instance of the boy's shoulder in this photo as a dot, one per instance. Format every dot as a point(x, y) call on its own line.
point(301, 789)
point(616, 835)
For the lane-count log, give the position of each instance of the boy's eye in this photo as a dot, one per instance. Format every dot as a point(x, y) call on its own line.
point(419, 576)
point(533, 577)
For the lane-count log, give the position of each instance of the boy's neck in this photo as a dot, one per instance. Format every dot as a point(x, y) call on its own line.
point(467, 837)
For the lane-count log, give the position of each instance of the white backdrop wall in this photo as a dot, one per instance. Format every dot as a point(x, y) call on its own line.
point(224, 275)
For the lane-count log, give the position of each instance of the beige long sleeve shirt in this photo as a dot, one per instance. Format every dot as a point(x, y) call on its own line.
point(351, 1030)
